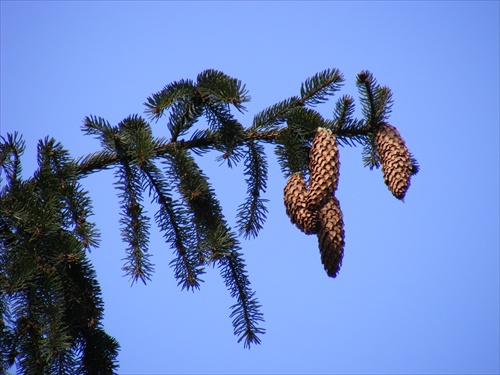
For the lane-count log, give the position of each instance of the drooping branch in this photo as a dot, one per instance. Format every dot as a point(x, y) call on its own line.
point(252, 213)
point(44, 226)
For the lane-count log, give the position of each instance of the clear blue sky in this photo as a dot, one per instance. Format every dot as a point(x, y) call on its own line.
point(419, 288)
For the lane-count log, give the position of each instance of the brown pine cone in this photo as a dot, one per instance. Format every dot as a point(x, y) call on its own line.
point(324, 168)
point(395, 159)
point(331, 236)
point(295, 194)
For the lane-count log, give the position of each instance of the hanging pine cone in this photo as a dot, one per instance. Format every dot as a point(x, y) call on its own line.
point(331, 236)
point(295, 194)
point(395, 158)
point(324, 167)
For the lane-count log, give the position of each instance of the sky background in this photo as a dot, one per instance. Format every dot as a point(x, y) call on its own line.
point(419, 288)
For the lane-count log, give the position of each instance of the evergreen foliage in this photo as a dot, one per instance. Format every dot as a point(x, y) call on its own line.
point(50, 300)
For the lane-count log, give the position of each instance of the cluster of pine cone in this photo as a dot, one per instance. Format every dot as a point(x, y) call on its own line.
point(313, 207)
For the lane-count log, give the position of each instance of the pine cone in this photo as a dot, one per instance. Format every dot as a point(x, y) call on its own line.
point(395, 159)
point(331, 236)
point(295, 194)
point(324, 167)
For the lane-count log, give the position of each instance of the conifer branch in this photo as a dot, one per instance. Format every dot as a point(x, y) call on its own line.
point(270, 118)
point(217, 87)
point(77, 203)
point(252, 213)
point(135, 228)
point(316, 89)
point(11, 150)
point(221, 244)
point(177, 231)
point(184, 115)
point(348, 131)
point(246, 312)
point(292, 151)
point(228, 132)
point(105, 159)
point(344, 109)
point(51, 287)
point(366, 87)
point(164, 99)
point(370, 154)
point(376, 100)
point(50, 300)
point(130, 142)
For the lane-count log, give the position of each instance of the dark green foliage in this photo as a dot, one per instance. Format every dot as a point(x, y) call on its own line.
point(175, 92)
point(217, 88)
point(318, 88)
point(246, 312)
point(349, 131)
point(11, 150)
point(294, 141)
point(50, 296)
point(50, 301)
point(376, 105)
point(216, 243)
point(175, 221)
point(376, 100)
point(313, 91)
point(196, 192)
point(252, 213)
point(270, 118)
point(292, 152)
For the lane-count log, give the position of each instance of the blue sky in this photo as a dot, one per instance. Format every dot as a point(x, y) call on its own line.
point(419, 288)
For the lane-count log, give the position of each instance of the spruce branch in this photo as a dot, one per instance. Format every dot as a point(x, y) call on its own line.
point(292, 152)
point(252, 213)
point(50, 302)
point(172, 93)
point(199, 197)
point(200, 141)
point(11, 150)
point(102, 130)
point(218, 242)
point(175, 223)
point(370, 154)
point(316, 89)
point(245, 313)
point(77, 204)
point(313, 91)
point(348, 131)
point(135, 224)
point(228, 132)
point(376, 101)
point(40, 257)
point(342, 114)
point(217, 87)
point(135, 228)
point(304, 122)
point(94, 162)
point(269, 119)
point(184, 114)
